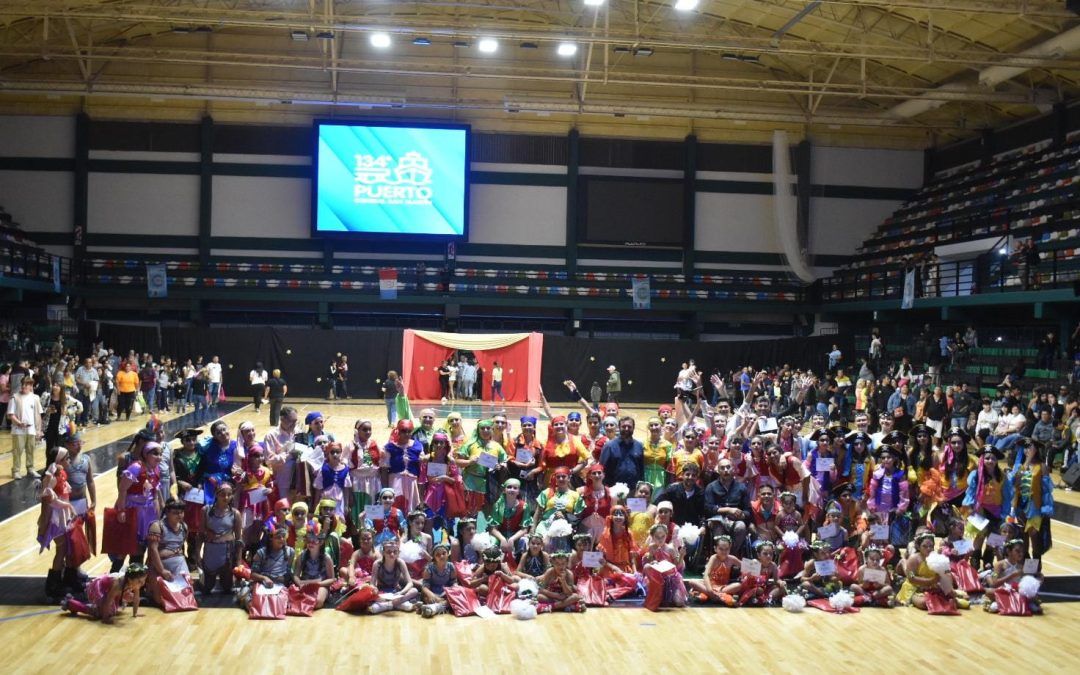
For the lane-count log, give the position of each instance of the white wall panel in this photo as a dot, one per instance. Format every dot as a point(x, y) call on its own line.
point(37, 136)
point(866, 167)
point(40, 201)
point(517, 214)
point(261, 207)
point(135, 204)
point(735, 222)
point(837, 226)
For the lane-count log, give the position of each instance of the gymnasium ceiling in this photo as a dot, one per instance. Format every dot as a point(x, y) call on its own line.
point(887, 73)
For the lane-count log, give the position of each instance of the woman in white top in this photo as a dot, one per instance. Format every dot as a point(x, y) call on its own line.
point(258, 377)
point(987, 420)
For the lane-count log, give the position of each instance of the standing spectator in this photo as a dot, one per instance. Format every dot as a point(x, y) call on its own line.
point(127, 383)
point(147, 382)
point(496, 382)
point(963, 402)
point(275, 391)
point(614, 386)
point(451, 380)
point(86, 377)
point(876, 350)
point(164, 381)
point(467, 375)
point(834, 357)
point(1048, 351)
point(971, 337)
point(444, 380)
point(24, 411)
point(258, 377)
point(213, 372)
point(341, 378)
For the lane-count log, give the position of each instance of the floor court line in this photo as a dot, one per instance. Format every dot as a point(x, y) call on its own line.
point(31, 614)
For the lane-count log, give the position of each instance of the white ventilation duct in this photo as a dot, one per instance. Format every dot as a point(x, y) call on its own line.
point(990, 77)
point(784, 209)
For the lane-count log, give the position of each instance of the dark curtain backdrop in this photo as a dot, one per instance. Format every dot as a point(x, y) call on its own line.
point(303, 354)
point(648, 367)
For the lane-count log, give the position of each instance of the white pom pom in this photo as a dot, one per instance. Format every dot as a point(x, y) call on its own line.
point(1029, 586)
point(842, 600)
point(410, 552)
point(523, 610)
point(527, 588)
point(482, 542)
point(619, 491)
point(938, 562)
point(689, 533)
point(791, 539)
point(559, 528)
point(794, 602)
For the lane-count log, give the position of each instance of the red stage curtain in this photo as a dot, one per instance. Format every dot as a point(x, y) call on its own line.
point(520, 362)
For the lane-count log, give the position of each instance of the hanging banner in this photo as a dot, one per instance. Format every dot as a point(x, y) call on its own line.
point(388, 284)
point(157, 281)
point(640, 292)
point(56, 274)
point(909, 290)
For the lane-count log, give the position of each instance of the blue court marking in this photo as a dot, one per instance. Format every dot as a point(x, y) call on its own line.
point(27, 616)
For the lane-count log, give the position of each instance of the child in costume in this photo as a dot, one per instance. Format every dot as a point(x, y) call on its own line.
point(815, 583)
point(510, 519)
point(534, 562)
point(1005, 579)
point(873, 582)
point(391, 576)
point(959, 550)
point(393, 522)
point(416, 535)
point(223, 544)
point(314, 567)
point(439, 573)
point(889, 493)
point(722, 568)
point(641, 521)
point(557, 588)
point(763, 588)
point(790, 519)
point(988, 495)
point(831, 530)
point(165, 548)
point(108, 594)
point(334, 481)
point(363, 559)
point(921, 579)
point(299, 526)
point(256, 488)
point(54, 519)
point(363, 457)
point(405, 455)
point(485, 572)
point(662, 565)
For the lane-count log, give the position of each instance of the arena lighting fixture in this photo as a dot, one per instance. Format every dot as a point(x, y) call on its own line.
point(423, 42)
point(566, 49)
point(1003, 251)
point(528, 45)
point(461, 44)
point(380, 40)
point(621, 50)
point(299, 36)
point(487, 45)
point(685, 5)
point(643, 51)
point(593, 3)
point(325, 35)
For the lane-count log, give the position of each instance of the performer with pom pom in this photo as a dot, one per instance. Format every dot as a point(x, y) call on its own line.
point(717, 583)
point(794, 603)
point(763, 587)
point(524, 607)
point(873, 583)
point(791, 527)
point(1012, 593)
point(928, 573)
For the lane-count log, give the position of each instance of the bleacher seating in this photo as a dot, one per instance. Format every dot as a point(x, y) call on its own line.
point(1027, 193)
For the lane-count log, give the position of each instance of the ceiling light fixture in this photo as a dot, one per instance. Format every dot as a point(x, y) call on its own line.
point(528, 45)
point(422, 42)
point(643, 51)
point(325, 35)
point(461, 44)
point(593, 3)
point(299, 36)
point(380, 40)
point(487, 45)
point(685, 5)
point(566, 49)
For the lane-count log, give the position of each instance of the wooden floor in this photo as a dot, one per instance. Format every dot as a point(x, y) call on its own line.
point(616, 639)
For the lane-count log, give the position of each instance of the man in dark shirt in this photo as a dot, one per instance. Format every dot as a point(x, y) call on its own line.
point(623, 457)
point(275, 392)
point(687, 507)
point(727, 506)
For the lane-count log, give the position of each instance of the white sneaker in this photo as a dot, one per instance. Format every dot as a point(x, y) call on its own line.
point(17, 475)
